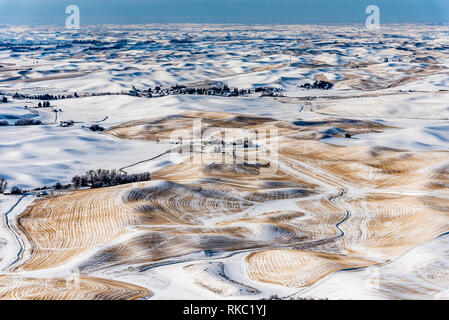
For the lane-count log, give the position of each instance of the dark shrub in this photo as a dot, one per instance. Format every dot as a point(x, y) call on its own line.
point(97, 184)
point(76, 181)
point(83, 182)
point(16, 190)
point(65, 124)
point(27, 122)
point(96, 127)
point(322, 85)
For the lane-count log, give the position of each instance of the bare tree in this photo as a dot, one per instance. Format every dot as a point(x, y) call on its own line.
point(3, 184)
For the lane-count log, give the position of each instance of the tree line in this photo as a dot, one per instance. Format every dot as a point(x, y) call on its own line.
point(211, 90)
point(46, 96)
point(107, 178)
point(99, 178)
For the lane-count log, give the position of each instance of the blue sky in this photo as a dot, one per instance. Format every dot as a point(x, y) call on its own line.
point(224, 11)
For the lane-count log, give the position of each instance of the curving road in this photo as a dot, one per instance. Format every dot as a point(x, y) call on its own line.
point(19, 253)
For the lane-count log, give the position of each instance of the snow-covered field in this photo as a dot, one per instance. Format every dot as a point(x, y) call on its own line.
point(364, 220)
